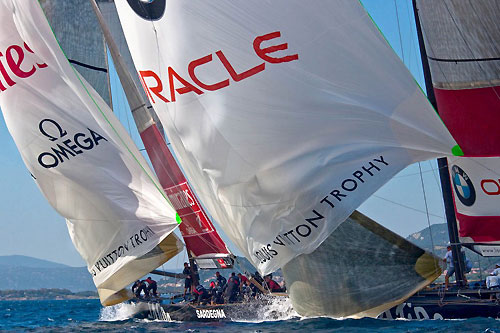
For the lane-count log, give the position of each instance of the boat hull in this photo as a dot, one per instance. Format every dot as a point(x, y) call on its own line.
point(450, 305)
point(245, 311)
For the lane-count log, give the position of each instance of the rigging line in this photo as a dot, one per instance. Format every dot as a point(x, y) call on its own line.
point(428, 218)
point(484, 27)
point(415, 174)
point(484, 166)
point(480, 269)
point(433, 169)
point(434, 173)
point(438, 184)
point(408, 207)
point(412, 51)
point(399, 31)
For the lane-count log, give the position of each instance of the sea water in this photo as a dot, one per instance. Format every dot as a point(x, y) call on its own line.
point(90, 316)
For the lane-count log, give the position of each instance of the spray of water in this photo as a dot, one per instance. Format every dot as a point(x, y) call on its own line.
point(119, 312)
point(157, 312)
point(278, 308)
point(272, 309)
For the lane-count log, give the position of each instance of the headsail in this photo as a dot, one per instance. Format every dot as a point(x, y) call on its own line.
point(361, 269)
point(284, 115)
point(462, 42)
point(203, 243)
point(82, 159)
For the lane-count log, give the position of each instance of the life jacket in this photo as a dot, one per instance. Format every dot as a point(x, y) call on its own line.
point(199, 289)
point(273, 285)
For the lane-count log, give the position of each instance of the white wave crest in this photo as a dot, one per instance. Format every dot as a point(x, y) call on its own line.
point(118, 312)
point(274, 308)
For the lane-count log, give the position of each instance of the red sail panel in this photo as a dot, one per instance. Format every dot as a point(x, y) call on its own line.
point(198, 232)
point(481, 229)
point(462, 41)
point(473, 118)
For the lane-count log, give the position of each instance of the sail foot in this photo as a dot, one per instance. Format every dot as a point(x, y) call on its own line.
point(361, 270)
point(113, 291)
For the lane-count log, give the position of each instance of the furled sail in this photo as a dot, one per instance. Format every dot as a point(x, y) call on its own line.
point(462, 40)
point(81, 157)
point(284, 115)
point(203, 243)
point(360, 270)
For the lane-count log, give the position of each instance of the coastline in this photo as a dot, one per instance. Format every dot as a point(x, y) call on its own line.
point(45, 294)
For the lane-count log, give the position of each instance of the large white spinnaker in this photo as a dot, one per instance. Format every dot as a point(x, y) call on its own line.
point(82, 159)
point(285, 115)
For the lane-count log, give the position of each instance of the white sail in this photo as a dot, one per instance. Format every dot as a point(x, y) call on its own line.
point(476, 189)
point(285, 115)
point(81, 157)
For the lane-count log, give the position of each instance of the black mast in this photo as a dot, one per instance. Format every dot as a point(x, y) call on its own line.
point(444, 175)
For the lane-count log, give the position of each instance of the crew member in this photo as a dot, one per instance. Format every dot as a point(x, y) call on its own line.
point(152, 286)
point(221, 281)
point(142, 287)
point(256, 279)
point(493, 280)
point(243, 280)
point(201, 294)
point(448, 259)
point(233, 284)
point(188, 281)
point(217, 293)
point(272, 285)
point(135, 286)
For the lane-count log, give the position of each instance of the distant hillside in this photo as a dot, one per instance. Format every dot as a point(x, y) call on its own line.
point(440, 239)
point(24, 261)
point(21, 272)
point(439, 236)
point(40, 294)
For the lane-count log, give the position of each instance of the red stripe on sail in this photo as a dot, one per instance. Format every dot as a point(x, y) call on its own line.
point(481, 229)
point(198, 232)
point(472, 117)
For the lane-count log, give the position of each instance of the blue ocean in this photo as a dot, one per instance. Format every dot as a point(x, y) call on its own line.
point(89, 316)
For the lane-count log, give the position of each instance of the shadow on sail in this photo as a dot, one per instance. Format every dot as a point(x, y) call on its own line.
point(360, 270)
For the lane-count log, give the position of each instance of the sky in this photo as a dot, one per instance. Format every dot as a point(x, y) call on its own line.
point(29, 226)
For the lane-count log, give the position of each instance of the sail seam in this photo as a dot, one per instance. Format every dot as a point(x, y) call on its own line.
point(463, 60)
point(82, 64)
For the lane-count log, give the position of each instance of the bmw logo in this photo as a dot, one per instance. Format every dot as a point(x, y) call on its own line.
point(151, 10)
point(463, 186)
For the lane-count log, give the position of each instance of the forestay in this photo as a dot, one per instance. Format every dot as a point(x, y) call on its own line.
point(81, 157)
point(285, 115)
